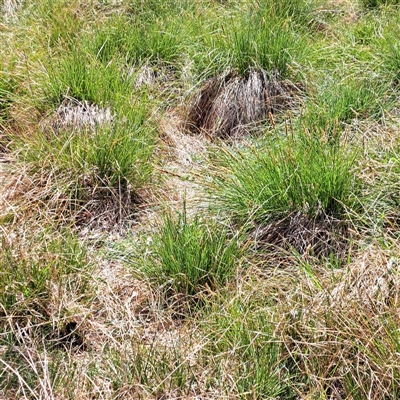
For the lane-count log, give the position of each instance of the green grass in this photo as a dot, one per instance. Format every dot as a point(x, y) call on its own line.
point(289, 174)
point(386, 45)
point(81, 77)
point(6, 89)
point(337, 103)
point(189, 257)
point(268, 35)
point(267, 45)
point(135, 42)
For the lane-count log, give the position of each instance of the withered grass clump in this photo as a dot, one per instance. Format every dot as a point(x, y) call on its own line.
point(319, 236)
point(229, 104)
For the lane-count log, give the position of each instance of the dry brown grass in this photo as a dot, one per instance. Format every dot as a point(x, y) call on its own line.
point(340, 327)
point(322, 236)
point(28, 193)
point(184, 157)
point(229, 105)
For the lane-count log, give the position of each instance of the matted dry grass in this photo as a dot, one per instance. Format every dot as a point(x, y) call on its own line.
point(340, 327)
point(76, 115)
point(228, 105)
point(321, 236)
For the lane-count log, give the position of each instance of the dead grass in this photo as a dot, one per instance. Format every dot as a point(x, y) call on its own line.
point(9, 9)
point(340, 330)
point(323, 236)
point(229, 105)
point(28, 194)
point(185, 156)
point(76, 115)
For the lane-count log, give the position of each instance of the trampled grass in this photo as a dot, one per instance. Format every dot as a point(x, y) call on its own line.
point(273, 125)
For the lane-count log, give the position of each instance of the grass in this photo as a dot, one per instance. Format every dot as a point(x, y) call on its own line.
point(284, 175)
point(242, 328)
point(7, 87)
point(252, 257)
point(75, 170)
point(31, 277)
point(338, 103)
point(45, 292)
point(81, 78)
point(266, 38)
point(378, 3)
point(265, 35)
point(190, 258)
point(325, 340)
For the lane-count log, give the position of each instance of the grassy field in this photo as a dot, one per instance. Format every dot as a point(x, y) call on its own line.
point(199, 199)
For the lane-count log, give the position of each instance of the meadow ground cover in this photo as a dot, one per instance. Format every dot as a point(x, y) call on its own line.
point(199, 199)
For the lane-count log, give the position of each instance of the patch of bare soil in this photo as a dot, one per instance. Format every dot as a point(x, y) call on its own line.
point(229, 105)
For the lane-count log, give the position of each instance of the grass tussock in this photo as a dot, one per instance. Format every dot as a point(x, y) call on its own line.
point(229, 105)
point(98, 170)
point(189, 258)
point(267, 35)
point(295, 193)
point(284, 175)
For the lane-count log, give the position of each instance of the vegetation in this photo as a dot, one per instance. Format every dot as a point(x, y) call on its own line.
point(285, 175)
point(199, 199)
point(190, 257)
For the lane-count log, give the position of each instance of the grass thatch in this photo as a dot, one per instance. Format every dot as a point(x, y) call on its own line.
point(74, 114)
point(322, 236)
point(229, 104)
